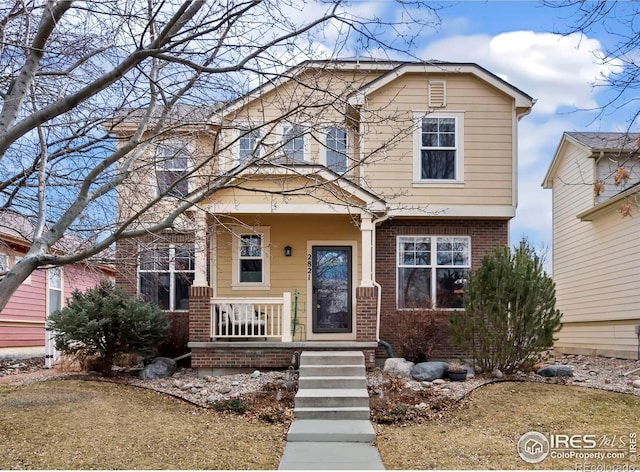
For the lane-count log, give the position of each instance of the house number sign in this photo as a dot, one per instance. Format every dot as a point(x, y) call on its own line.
point(309, 266)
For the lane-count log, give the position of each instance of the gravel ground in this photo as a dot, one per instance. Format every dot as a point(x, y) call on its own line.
point(595, 372)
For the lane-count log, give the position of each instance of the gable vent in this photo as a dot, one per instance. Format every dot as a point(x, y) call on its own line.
point(437, 93)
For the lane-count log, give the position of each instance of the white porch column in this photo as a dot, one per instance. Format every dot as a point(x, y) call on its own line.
point(366, 228)
point(200, 243)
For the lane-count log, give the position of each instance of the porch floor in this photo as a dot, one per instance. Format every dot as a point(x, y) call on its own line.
point(287, 345)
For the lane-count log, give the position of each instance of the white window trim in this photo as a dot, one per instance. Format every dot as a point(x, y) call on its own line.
point(433, 266)
point(458, 181)
point(306, 139)
point(172, 271)
point(60, 289)
point(237, 136)
point(323, 148)
point(265, 232)
point(188, 148)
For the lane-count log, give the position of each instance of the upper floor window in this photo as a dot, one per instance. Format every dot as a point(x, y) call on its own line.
point(336, 148)
point(439, 154)
point(248, 145)
point(166, 272)
point(4, 263)
point(432, 271)
point(172, 166)
point(55, 289)
point(293, 139)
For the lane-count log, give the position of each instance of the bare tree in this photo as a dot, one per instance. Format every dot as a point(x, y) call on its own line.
point(90, 90)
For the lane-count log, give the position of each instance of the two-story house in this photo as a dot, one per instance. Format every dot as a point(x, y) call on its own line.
point(596, 266)
point(374, 188)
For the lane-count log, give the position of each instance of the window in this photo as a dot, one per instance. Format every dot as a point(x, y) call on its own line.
point(165, 274)
point(429, 265)
point(251, 265)
point(248, 145)
point(336, 150)
point(293, 138)
point(55, 289)
point(251, 258)
point(4, 263)
point(438, 148)
point(172, 165)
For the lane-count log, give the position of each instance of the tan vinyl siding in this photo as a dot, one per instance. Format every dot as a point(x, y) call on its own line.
point(615, 339)
point(488, 141)
point(606, 170)
point(287, 273)
point(595, 272)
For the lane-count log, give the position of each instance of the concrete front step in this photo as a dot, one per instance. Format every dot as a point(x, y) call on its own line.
point(332, 413)
point(333, 381)
point(332, 431)
point(332, 370)
point(331, 358)
point(330, 397)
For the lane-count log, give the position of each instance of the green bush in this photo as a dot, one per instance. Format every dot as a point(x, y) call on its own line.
point(104, 322)
point(510, 316)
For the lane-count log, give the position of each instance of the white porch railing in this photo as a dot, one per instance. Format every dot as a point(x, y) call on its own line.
point(254, 318)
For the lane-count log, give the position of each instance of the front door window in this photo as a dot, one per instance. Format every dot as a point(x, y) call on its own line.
point(332, 300)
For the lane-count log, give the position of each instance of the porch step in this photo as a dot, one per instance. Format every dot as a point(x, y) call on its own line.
point(332, 397)
point(331, 358)
point(332, 413)
point(331, 431)
point(332, 370)
point(333, 381)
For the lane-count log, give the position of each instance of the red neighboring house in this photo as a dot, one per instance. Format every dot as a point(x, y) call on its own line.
point(22, 321)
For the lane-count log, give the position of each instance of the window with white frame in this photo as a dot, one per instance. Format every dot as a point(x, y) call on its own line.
point(336, 149)
point(439, 153)
point(432, 271)
point(165, 273)
point(55, 289)
point(4, 263)
point(293, 142)
point(248, 145)
point(172, 165)
point(251, 266)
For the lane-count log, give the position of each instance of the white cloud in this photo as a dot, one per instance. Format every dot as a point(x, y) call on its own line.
point(556, 70)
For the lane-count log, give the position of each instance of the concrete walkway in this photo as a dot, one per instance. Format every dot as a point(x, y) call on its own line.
point(330, 456)
point(332, 430)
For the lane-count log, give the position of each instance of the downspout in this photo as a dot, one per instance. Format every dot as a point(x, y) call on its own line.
point(382, 343)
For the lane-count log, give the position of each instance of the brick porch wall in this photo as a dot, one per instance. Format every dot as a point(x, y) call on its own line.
point(485, 236)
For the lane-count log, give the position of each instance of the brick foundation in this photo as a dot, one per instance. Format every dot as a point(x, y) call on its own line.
point(485, 236)
point(260, 357)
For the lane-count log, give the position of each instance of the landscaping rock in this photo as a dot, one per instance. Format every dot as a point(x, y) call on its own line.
point(636, 384)
point(430, 371)
point(256, 374)
point(159, 368)
point(398, 366)
point(211, 399)
point(438, 382)
point(497, 374)
point(224, 389)
point(556, 371)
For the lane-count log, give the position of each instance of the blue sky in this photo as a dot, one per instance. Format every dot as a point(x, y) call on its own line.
point(515, 40)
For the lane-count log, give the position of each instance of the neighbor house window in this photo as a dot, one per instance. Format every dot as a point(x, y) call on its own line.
point(165, 274)
point(336, 148)
point(439, 148)
point(293, 139)
point(55, 289)
point(4, 263)
point(248, 145)
point(432, 271)
point(172, 166)
point(251, 260)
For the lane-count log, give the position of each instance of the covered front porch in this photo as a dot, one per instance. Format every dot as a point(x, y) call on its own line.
point(276, 275)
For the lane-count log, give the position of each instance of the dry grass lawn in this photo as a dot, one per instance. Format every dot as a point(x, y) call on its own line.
point(484, 431)
point(99, 425)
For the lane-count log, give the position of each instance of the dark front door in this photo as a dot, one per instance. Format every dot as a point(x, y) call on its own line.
point(331, 279)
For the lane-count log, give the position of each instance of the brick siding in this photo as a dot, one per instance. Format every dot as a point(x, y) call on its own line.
point(485, 236)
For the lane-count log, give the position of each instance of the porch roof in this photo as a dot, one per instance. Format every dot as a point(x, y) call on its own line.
point(324, 191)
